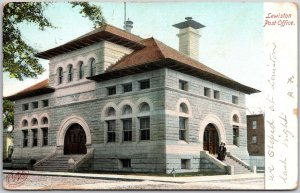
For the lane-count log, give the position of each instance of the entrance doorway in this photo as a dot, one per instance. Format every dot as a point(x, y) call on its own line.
point(211, 139)
point(75, 140)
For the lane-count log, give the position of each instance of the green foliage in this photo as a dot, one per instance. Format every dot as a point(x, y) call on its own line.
point(18, 56)
point(93, 12)
point(8, 113)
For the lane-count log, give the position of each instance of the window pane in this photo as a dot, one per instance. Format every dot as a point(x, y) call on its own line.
point(144, 84)
point(127, 87)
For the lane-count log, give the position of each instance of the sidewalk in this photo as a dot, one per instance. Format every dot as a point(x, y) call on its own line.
point(147, 178)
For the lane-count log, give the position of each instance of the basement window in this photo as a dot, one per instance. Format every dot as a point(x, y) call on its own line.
point(125, 163)
point(185, 164)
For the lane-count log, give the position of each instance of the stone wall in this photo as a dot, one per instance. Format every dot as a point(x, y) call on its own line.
point(202, 110)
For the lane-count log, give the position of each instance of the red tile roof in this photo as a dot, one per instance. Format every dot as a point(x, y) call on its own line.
point(34, 90)
point(149, 54)
point(106, 32)
point(160, 55)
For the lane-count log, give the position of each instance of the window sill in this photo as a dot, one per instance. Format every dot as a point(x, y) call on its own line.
point(182, 142)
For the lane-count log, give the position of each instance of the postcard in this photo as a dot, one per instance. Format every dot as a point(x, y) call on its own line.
point(150, 95)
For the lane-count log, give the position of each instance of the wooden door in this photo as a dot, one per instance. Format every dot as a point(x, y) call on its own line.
point(211, 139)
point(75, 140)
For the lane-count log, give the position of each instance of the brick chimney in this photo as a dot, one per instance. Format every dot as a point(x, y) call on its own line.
point(189, 37)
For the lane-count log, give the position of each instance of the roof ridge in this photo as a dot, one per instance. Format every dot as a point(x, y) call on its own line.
point(135, 52)
point(185, 56)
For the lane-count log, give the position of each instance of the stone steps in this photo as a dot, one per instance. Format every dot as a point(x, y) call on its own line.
point(238, 168)
point(57, 163)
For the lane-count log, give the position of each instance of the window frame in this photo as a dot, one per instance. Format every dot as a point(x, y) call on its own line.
point(144, 84)
point(145, 134)
point(70, 73)
point(254, 121)
point(25, 138)
point(125, 85)
point(60, 75)
point(183, 128)
point(183, 85)
point(235, 100)
point(254, 141)
point(125, 163)
point(127, 131)
point(35, 104)
point(34, 137)
point(45, 138)
point(235, 136)
point(207, 92)
point(45, 103)
point(93, 69)
point(80, 70)
point(216, 94)
point(25, 107)
point(185, 164)
point(111, 88)
point(111, 131)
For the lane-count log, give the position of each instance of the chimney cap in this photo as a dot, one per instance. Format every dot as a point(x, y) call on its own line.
point(189, 23)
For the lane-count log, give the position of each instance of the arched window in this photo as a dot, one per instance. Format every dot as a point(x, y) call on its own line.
point(144, 121)
point(111, 112)
point(92, 67)
point(235, 118)
point(70, 72)
point(127, 110)
point(183, 108)
point(60, 75)
point(144, 107)
point(80, 70)
point(44, 120)
point(34, 121)
point(183, 122)
point(24, 123)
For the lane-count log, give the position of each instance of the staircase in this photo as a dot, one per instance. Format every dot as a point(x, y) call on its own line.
point(238, 168)
point(57, 163)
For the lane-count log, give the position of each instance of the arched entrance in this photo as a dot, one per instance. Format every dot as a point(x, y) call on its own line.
point(75, 140)
point(210, 139)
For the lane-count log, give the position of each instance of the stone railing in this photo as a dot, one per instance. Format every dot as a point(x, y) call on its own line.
point(44, 159)
point(235, 158)
point(215, 161)
point(73, 167)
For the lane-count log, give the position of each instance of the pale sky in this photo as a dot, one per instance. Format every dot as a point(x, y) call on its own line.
point(232, 41)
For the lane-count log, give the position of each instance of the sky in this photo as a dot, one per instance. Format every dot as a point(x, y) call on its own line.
point(232, 41)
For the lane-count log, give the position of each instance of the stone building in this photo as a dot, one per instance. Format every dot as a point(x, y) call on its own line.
point(117, 102)
point(256, 139)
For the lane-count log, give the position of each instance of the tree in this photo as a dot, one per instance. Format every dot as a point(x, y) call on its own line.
point(18, 57)
point(8, 113)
